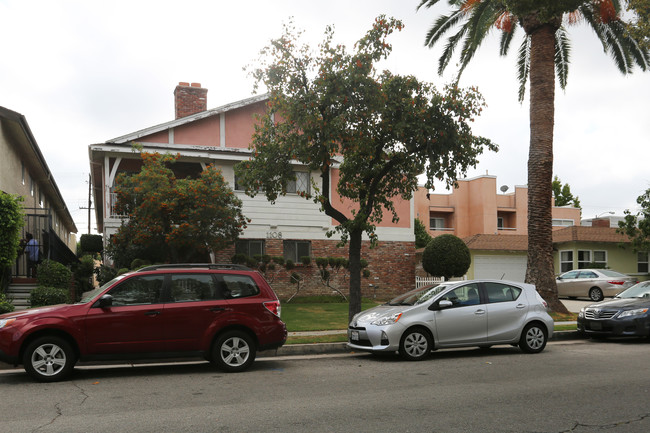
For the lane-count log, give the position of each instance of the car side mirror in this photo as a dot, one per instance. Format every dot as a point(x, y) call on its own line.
point(441, 305)
point(106, 301)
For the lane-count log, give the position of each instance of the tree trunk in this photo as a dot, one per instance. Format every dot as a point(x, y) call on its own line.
point(354, 257)
point(540, 269)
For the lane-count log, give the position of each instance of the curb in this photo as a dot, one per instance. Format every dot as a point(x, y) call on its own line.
point(334, 348)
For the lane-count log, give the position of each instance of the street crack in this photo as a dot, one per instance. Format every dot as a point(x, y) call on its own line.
point(607, 426)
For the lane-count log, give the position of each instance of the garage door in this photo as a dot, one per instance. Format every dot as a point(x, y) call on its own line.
point(511, 268)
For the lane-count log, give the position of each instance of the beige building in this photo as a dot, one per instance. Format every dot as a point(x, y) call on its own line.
point(24, 172)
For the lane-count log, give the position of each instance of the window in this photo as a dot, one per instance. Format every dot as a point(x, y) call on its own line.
point(437, 223)
point(22, 172)
point(239, 286)
point(566, 261)
point(250, 247)
point(197, 287)
point(571, 275)
point(600, 257)
point(294, 250)
point(642, 262)
point(31, 186)
point(588, 274)
point(301, 184)
point(562, 223)
point(462, 296)
point(138, 291)
point(584, 259)
point(587, 258)
point(498, 292)
point(500, 223)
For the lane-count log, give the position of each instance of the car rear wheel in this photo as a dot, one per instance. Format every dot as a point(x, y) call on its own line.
point(595, 294)
point(234, 351)
point(49, 359)
point(533, 338)
point(415, 344)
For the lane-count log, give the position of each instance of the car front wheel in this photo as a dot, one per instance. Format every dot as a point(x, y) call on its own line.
point(415, 344)
point(234, 351)
point(595, 294)
point(49, 359)
point(533, 338)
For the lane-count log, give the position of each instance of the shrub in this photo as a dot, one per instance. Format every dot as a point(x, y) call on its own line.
point(105, 274)
point(43, 295)
point(5, 304)
point(446, 256)
point(91, 244)
point(422, 237)
point(139, 263)
point(53, 274)
point(83, 273)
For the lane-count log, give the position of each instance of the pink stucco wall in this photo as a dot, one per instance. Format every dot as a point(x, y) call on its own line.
point(345, 205)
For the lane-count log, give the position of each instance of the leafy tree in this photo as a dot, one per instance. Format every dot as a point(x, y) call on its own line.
point(173, 220)
point(332, 111)
point(446, 256)
point(422, 238)
point(637, 226)
point(11, 221)
point(562, 194)
point(543, 53)
point(639, 26)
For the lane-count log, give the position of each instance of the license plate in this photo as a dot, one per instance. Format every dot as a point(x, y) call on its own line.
point(596, 326)
point(354, 335)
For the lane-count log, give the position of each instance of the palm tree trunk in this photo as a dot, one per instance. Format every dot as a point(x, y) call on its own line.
point(540, 269)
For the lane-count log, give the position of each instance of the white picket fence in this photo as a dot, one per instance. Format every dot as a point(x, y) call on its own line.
point(425, 281)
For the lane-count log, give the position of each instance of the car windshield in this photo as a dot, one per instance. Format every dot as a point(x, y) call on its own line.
point(89, 296)
point(418, 296)
point(641, 290)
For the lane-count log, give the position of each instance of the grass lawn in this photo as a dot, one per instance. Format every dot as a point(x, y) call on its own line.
point(324, 314)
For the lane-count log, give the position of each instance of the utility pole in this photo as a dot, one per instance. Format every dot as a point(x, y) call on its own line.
point(89, 200)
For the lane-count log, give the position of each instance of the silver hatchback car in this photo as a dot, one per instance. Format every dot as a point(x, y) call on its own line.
point(455, 314)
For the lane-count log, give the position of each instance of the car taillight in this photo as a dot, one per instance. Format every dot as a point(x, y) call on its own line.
point(618, 283)
point(274, 307)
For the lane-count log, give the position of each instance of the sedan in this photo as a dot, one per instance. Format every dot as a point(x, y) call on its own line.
point(479, 313)
point(628, 314)
point(595, 284)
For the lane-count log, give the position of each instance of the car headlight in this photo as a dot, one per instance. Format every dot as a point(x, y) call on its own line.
point(636, 312)
point(6, 322)
point(387, 320)
point(581, 314)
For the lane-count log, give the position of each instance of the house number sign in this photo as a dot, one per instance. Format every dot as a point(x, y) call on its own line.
point(273, 235)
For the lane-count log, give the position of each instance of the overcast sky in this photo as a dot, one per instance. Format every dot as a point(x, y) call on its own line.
point(85, 71)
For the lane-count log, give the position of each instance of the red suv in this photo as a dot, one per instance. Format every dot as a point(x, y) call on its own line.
point(223, 313)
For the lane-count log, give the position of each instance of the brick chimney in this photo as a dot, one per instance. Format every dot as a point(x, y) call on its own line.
point(190, 99)
point(600, 222)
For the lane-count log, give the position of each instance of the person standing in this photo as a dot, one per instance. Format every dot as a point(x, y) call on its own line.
point(32, 252)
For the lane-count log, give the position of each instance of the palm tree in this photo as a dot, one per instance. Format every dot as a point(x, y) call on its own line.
point(543, 53)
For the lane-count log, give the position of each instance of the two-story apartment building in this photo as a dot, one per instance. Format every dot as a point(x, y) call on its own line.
point(291, 227)
point(493, 224)
point(24, 172)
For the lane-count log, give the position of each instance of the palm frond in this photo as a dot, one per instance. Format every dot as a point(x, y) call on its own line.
point(624, 50)
point(506, 39)
point(523, 66)
point(482, 18)
point(448, 52)
point(427, 4)
point(441, 26)
point(562, 54)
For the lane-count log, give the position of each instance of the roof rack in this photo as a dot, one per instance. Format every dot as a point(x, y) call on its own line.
point(227, 266)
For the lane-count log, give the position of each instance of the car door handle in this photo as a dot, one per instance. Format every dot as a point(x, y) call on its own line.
point(479, 312)
point(520, 306)
point(152, 313)
point(217, 309)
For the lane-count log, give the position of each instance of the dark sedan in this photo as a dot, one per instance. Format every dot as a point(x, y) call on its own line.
point(628, 314)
